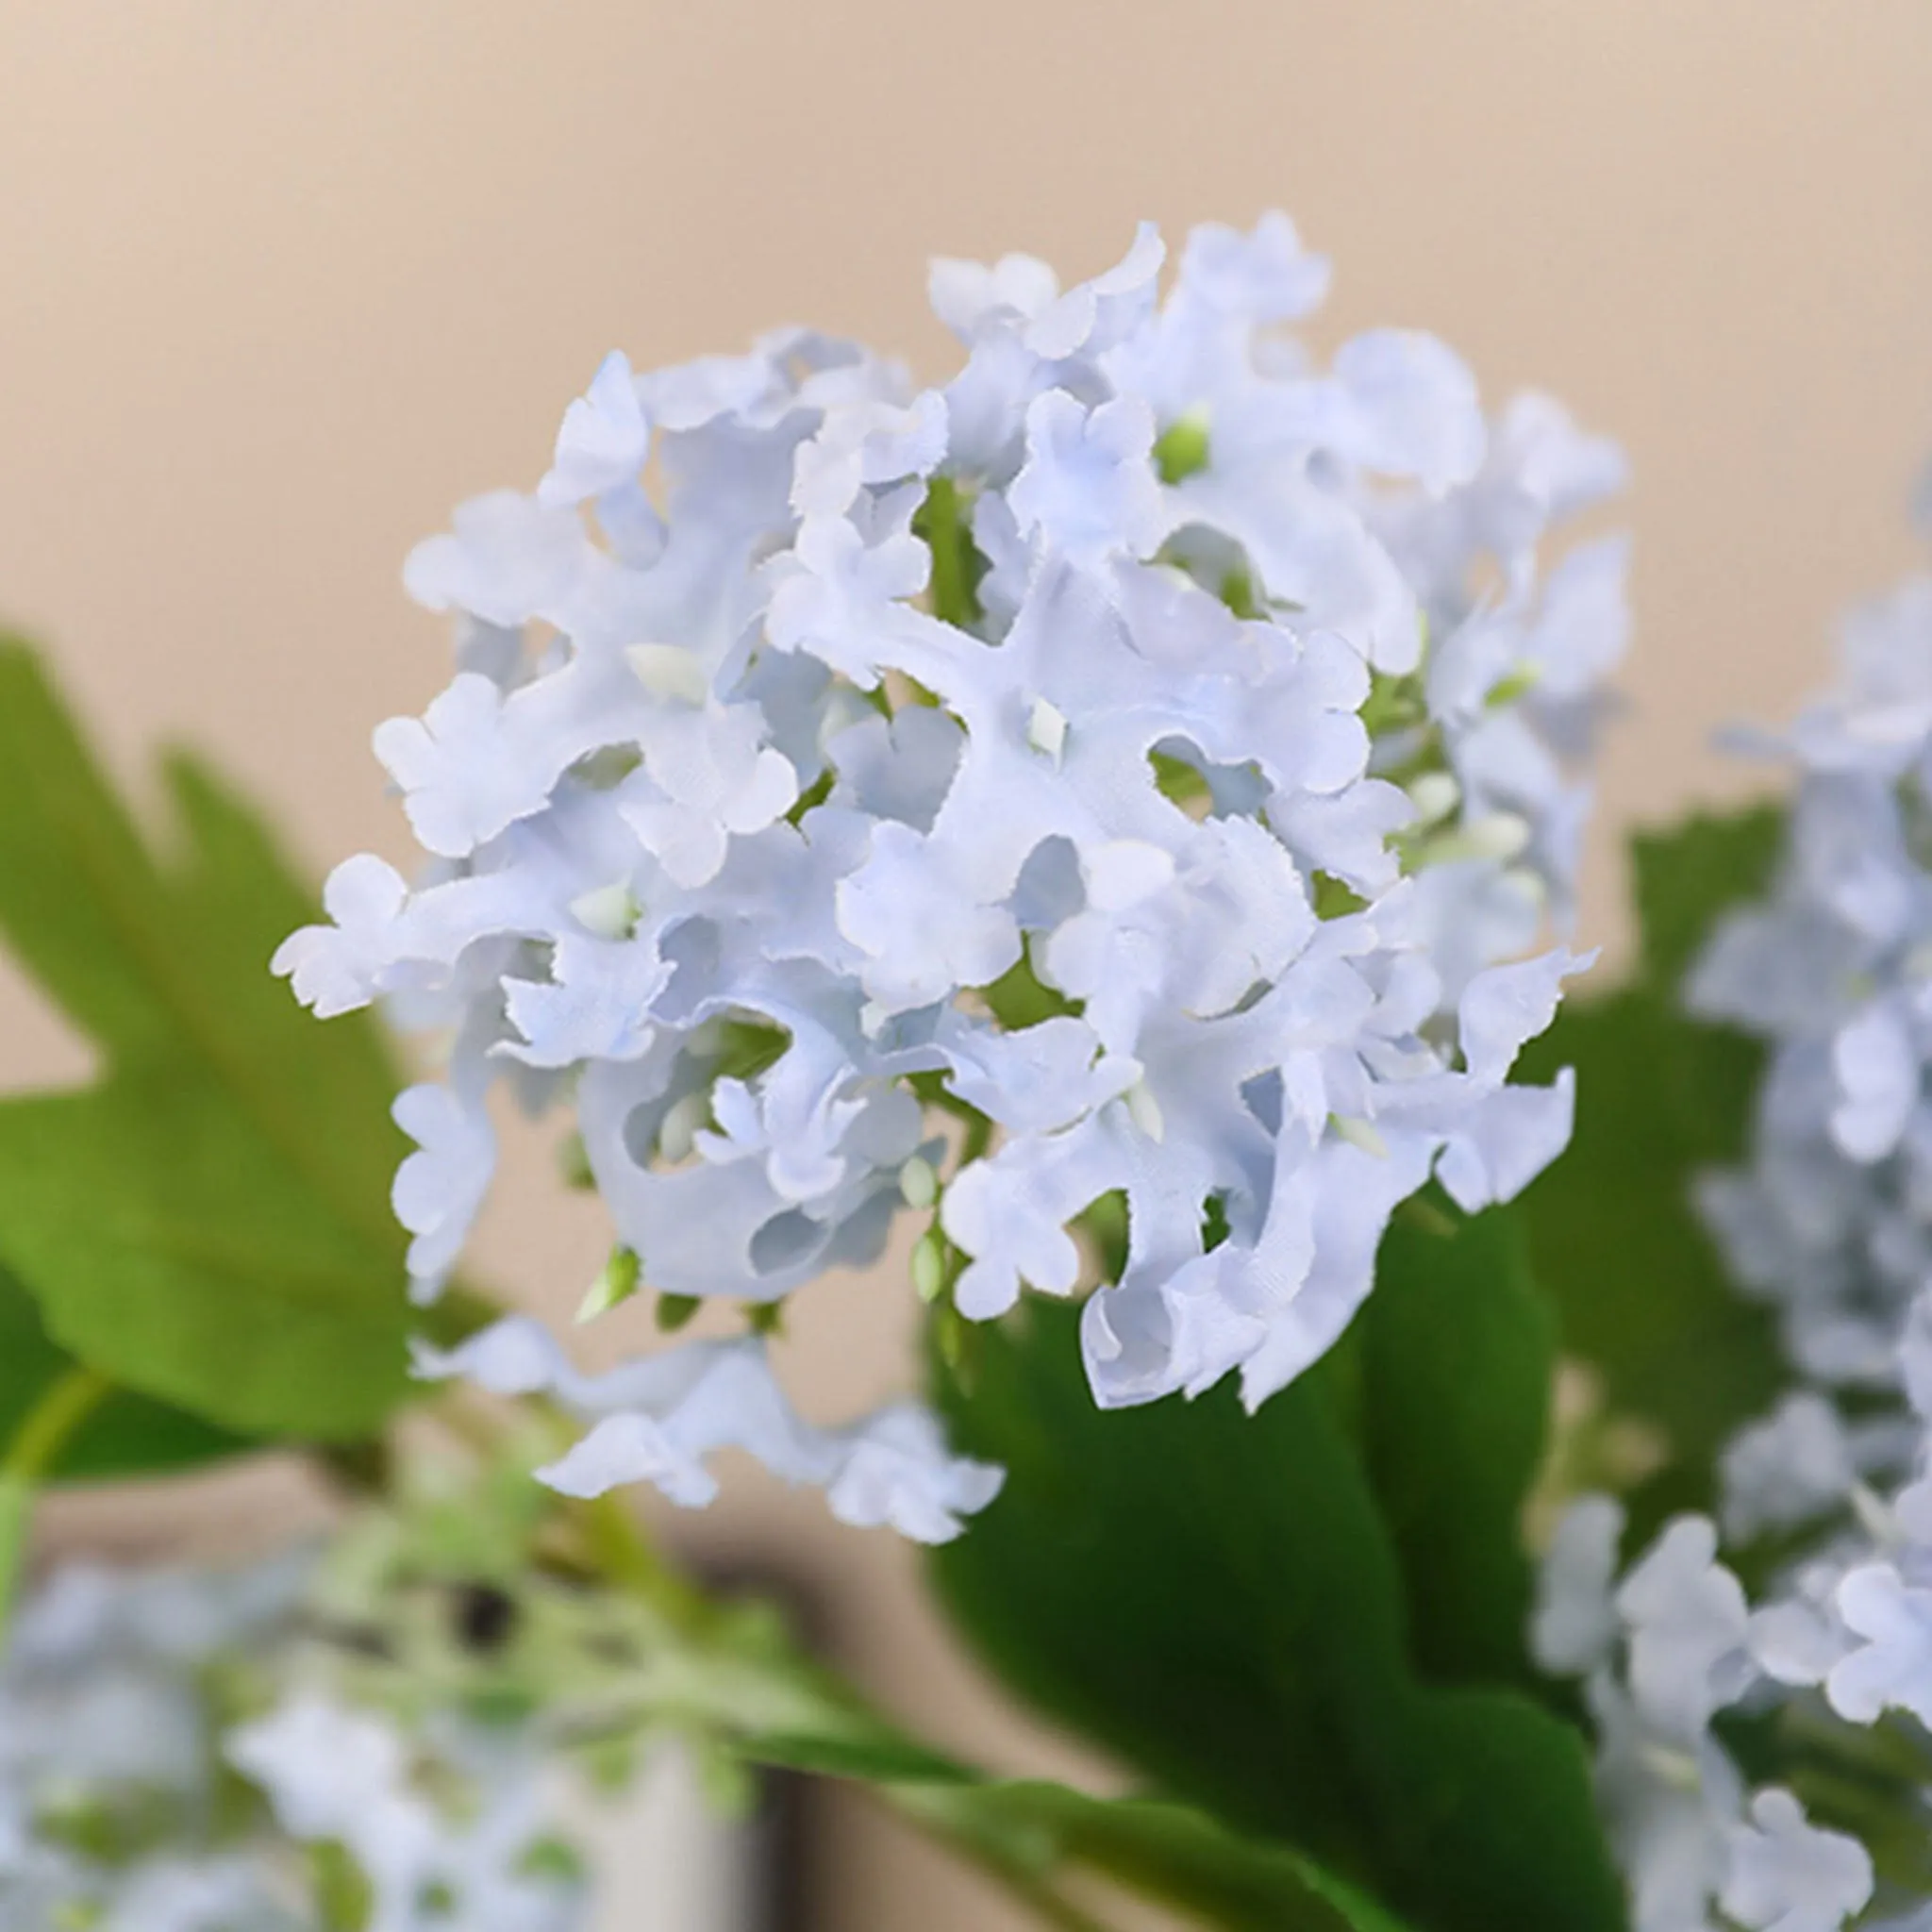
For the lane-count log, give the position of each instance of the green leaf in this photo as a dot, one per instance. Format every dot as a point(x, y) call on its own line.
point(1457, 1346)
point(881, 1758)
point(1218, 1599)
point(1172, 1853)
point(1162, 1851)
point(208, 1223)
point(128, 1435)
point(1642, 1293)
point(1685, 879)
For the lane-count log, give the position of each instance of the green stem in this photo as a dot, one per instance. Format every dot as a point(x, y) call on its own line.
point(613, 1539)
point(43, 1433)
point(976, 1140)
point(629, 1558)
point(1020, 1882)
point(50, 1425)
point(16, 1512)
point(619, 1549)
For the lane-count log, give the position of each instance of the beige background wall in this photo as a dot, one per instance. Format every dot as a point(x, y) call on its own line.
point(282, 279)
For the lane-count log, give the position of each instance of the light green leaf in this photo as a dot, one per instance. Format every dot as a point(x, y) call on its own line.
point(209, 1223)
point(1219, 1599)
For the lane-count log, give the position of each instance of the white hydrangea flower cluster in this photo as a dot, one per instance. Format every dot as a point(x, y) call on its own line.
point(1133, 768)
point(1831, 1223)
point(349, 1778)
point(118, 1692)
point(110, 1753)
point(1662, 1653)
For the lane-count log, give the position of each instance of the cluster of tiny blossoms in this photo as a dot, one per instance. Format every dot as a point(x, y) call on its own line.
point(1830, 1224)
point(110, 1754)
point(1134, 769)
point(164, 1768)
point(341, 1778)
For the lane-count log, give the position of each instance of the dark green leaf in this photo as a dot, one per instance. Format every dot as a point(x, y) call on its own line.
point(1216, 1598)
point(1642, 1293)
point(1684, 878)
point(209, 1223)
point(1457, 1346)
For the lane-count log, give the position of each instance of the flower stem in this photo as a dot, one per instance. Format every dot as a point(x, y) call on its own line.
point(627, 1558)
point(615, 1545)
point(43, 1433)
point(619, 1548)
point(1021, 1882)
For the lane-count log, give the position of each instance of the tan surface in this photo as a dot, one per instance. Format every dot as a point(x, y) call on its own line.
point(281, 280)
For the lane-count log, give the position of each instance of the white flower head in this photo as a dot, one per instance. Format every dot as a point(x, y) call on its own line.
point(1828, 1220)
point(344, 1777)
point(1122, 748)
point(108, 1709)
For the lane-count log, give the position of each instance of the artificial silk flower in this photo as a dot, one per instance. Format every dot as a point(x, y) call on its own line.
point(109, 1750)
point(167, 1756)
point(1662, 1653)
point(338, 1776)
point(660, 1418)
point(1829, 1222)
point(1137, 766)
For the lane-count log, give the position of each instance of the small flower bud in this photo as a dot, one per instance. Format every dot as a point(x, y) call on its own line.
point(1046, 730)
point(678, 1136)
point(1435, 795)
point(1181, 449)
point(1359, 1133)
point(670, 670)
point(1144, 1111)
point(930, 1266)
point(618, 1281)
point(610, 911)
